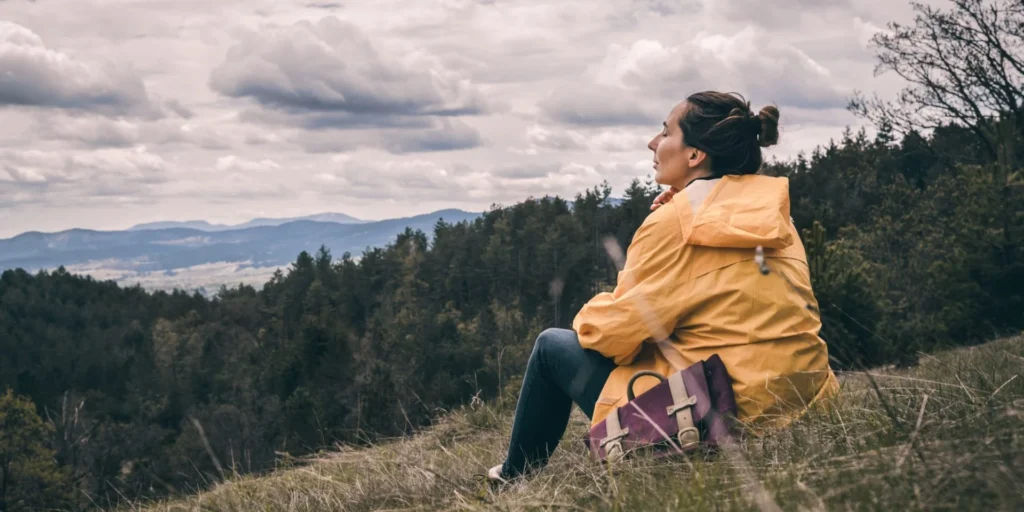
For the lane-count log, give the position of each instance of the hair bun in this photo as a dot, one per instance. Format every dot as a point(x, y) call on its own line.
point(768, 121)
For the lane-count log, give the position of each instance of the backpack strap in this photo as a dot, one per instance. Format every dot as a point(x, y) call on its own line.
point(671, 355)
point(681, 408)
point(612, 444)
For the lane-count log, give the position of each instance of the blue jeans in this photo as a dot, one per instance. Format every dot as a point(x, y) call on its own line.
point(559, 373)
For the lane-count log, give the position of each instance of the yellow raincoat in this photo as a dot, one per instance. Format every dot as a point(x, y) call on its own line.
point(691, 278)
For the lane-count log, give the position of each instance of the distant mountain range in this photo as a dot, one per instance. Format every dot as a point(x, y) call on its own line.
point(202, 225)
point(177, 252)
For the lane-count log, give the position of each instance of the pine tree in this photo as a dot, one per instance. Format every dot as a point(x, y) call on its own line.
point(29, 476)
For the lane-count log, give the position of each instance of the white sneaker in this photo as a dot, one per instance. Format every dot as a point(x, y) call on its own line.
point(494, 475)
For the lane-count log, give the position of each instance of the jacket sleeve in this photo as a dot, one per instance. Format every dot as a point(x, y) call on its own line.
point(643, 305)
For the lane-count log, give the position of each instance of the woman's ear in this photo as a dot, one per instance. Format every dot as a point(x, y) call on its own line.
point(697, 157)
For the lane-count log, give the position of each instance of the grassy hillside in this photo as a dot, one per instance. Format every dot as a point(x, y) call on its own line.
point(947, 434)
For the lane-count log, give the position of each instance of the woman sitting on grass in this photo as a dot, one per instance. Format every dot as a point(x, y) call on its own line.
point(690, 274)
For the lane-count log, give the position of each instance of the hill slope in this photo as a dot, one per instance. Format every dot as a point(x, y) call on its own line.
point(203, 225)
point(166, 249)
point(198, 259)
point(945, 434)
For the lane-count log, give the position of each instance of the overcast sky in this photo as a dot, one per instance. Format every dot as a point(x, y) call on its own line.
point(117, 112)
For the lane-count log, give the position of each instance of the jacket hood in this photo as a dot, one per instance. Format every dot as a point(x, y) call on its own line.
point(743, 212)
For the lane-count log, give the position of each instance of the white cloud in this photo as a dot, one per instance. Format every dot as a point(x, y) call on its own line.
point(232, 162)
point(24, 175)
point(86, 168)
point(608, 141)
point(90, 130)
point(865, 30)
point(110, 175)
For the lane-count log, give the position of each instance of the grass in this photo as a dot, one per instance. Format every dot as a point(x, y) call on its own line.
point(944, 435)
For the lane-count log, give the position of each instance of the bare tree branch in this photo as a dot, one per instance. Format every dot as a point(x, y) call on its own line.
point(963, 66)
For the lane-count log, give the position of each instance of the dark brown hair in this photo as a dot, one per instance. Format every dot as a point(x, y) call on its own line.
point(722, 125)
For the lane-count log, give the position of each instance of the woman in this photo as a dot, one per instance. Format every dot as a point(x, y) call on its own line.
point(690, 277)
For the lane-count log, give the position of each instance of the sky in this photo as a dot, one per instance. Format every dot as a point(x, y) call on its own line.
point(118, 112)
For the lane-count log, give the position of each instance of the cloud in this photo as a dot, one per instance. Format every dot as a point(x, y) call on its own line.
point(565, 180)
point(10, 173)
point(437, 134)
point(525, 171)
point(84, 168)
point(110, 175)
point(416, 179)
point(86, 130)
point(191, 134)
point(230, 187)
point(611, 141)
point(749, 61)
point(420, 179)
point(176, 107)
point(621, 141)
point(328, 77)
point(588, 104)
point(90, 130)
point(234, 163)
point(333, 66)
point(34, 75)
point(774, 15)
point(561, 140)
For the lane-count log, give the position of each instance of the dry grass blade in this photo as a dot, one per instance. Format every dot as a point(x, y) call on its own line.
point(913, 437)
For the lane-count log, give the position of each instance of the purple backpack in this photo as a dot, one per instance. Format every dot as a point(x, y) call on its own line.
point(691, 407)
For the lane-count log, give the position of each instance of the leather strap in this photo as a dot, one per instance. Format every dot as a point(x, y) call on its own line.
point(671, 355)
point(612, 444)
point(688, 435)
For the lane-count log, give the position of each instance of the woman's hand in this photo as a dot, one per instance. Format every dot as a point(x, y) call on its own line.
point(664, 197)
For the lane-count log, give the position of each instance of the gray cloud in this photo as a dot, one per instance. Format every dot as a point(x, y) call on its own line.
point(330, 81)
point(333, 66)
point(90, 130)
point(556, 139)
point(587, 104)
point(446, 136)
point(333, 120)
point(176, 107)
point(525, 171)
point(34, 75)
point(440, 134)
point(778, 14)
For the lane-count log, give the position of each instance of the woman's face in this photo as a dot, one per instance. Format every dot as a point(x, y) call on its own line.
point(674, 162)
